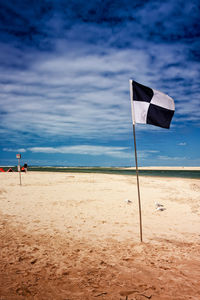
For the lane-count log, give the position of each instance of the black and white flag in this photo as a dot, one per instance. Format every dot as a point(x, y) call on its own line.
point(150, 106)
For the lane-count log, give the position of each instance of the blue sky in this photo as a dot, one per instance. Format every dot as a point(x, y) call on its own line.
point(64, 74)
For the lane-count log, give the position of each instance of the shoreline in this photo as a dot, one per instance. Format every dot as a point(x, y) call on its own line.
point(197, 168)
point(167, 172)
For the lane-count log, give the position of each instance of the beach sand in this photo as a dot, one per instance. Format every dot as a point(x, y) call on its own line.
point(73, 236)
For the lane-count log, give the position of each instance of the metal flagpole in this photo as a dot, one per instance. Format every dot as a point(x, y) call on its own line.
point(18, 156)
point(136, 162)
point(19, 170)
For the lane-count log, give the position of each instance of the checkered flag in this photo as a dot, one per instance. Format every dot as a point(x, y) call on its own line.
point(150, 106)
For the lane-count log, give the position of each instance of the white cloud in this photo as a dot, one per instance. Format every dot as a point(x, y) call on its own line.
point(56, 97)
point(174, 158)
point(182, 144)
point(77, 94)
point(143, 154)
point(20, 150)
point(122, 152)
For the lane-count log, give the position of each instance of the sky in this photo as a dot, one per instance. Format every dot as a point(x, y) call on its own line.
point(65, 67)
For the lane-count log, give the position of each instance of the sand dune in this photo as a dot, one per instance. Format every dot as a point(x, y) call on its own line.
point(73, 236)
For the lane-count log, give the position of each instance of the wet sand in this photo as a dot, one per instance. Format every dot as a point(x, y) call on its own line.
point(74, 236)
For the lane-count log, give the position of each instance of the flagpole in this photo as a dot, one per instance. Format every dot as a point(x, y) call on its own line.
point(19, 170)
point(136, 161)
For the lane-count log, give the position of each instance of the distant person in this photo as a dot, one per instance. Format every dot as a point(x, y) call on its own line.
point(25, 168)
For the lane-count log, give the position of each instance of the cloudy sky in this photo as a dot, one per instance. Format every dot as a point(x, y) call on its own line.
point(65, 67)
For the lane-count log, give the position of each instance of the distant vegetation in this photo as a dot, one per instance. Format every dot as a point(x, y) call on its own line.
point(121, 171)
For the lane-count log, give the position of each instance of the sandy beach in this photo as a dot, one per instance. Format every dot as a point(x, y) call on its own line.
point(75, 236)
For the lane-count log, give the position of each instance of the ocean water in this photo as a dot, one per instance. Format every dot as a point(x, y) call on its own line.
point(160, 173)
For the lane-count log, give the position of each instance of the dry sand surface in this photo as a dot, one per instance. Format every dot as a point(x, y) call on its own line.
point(73, 236)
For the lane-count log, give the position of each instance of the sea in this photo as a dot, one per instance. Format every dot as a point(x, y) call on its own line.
point(195, 174)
